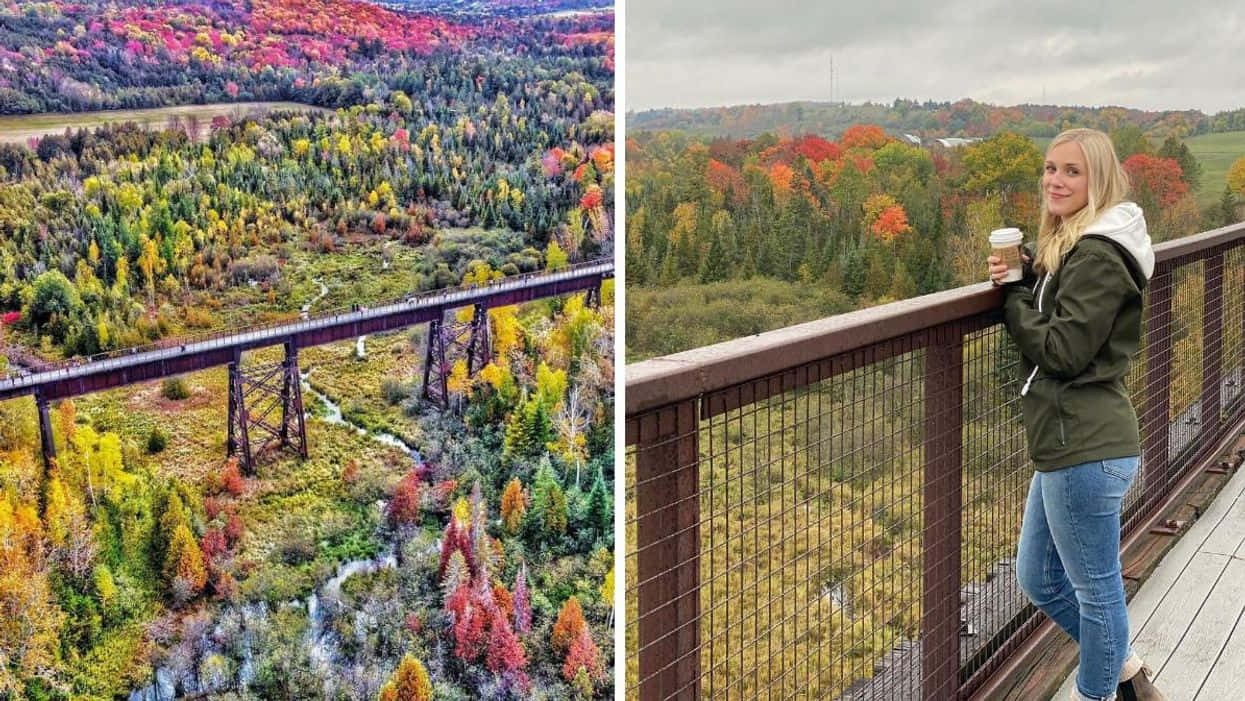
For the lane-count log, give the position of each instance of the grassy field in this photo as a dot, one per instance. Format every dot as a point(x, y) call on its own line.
point(21, 128)
point(354, 273)
point(1216, 152)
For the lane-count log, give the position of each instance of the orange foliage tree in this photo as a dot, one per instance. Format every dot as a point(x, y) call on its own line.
point(868, 136)
point(725, 179)
point(184, 569)
point(569, 625)
point(513, 506)
point(891, 222)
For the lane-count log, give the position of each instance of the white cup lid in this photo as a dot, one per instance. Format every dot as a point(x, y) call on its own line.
point(1006, 236)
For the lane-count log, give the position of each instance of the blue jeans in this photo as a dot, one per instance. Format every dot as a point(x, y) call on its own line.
point(1068, 563)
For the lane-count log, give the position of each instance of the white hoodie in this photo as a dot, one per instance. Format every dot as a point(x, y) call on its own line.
point(1125, 225)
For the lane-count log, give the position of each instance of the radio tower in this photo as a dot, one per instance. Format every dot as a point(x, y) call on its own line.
point(832, 79)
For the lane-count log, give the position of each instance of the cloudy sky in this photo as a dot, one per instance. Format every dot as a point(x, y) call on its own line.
point(1149, 54)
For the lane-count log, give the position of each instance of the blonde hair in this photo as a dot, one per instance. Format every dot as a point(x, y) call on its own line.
point(1108, 186)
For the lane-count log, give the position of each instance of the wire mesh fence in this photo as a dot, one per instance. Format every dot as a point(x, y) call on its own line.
point(844, 527)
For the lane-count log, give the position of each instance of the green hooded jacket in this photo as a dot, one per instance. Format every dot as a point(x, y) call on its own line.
point(1078, 331)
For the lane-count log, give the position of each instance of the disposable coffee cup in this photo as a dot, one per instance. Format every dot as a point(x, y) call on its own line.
point(1006, 245)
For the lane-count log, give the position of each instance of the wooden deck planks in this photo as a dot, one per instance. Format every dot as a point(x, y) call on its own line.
point(1188, 618)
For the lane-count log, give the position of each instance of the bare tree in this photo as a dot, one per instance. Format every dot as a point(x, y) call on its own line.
point(573, 421)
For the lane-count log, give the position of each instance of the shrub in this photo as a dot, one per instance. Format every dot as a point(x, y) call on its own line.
point(175, 388)
point(297, 549)
point(156, 441)
point(393, 391)
point(231, 478)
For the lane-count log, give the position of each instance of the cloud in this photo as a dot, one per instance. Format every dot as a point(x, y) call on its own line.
point(1150, 54)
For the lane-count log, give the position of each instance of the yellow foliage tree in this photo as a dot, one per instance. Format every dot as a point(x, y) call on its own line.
point(459, 382)
point(29, 630)
point(607, 594)
point(410, 682)
point(1236, 176)
point(480, 273)
point(184, 569)
point(550, 386)
point(462, 512)
point(574, 331)
point(555, 257)
point(505, 329)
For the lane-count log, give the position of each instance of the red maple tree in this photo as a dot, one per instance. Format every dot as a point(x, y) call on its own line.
point(505, 654)
point(582, 655)
point(1161, 176)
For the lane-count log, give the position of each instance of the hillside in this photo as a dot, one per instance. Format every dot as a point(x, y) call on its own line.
point(964, 118)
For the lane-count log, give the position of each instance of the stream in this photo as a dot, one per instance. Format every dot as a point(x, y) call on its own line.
point(324, 290)
point(322, 644)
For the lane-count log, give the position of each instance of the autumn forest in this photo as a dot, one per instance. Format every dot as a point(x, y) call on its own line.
point(730, 236)
point(418, 552)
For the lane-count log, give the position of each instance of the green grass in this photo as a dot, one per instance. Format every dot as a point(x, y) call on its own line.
point(356, 384)
point(20, 128)
point(667, 320)
point(288, 495)
point(1215, 152)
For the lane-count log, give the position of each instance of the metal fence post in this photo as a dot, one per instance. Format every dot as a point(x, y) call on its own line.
point(667, 483)
point(941, 538)
point(1212, 347)
point(1155, 418)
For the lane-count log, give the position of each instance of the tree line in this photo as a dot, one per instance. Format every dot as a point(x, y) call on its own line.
point(864, 219)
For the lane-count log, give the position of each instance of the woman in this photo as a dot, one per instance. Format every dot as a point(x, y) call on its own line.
point(1076, 319)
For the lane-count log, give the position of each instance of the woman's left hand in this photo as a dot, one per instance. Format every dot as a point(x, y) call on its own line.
point(998, 269)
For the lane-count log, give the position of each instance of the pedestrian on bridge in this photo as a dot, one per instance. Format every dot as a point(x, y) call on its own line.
point(1076, 318)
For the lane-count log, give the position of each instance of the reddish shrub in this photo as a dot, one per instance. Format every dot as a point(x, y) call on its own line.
point(231, 478)
point(404, 507)
point(213, 544)
point(234, 529)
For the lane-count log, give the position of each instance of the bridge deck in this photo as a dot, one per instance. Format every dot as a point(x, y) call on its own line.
point(1188, 618)
point(142, 364)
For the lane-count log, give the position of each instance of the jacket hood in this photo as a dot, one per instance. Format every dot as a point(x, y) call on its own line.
point(1125, 226)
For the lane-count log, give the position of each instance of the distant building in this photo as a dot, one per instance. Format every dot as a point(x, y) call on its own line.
point(954, 141)
point(914, 140)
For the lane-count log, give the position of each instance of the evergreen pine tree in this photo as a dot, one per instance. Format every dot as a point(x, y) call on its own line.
point(1178, 150)
point(855, 272)
point(555, 511)
point(599, 512)
point(714, 267)
point(1227, 207)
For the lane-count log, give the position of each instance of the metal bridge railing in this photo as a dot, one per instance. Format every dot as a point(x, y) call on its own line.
point(831, 510)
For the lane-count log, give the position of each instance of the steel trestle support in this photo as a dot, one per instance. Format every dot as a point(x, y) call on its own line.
point(449, 341)
point(254, 394)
